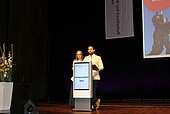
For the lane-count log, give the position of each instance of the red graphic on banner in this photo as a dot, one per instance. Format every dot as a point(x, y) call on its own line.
point(157, 5)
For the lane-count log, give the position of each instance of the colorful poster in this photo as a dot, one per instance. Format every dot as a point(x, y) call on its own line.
point(156, 28)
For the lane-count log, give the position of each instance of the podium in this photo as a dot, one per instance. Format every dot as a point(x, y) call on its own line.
point(82, 86)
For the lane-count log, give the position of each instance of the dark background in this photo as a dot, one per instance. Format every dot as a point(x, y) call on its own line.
point(47, 33)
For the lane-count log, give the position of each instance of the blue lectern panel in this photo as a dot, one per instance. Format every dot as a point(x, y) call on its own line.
point(81, 75)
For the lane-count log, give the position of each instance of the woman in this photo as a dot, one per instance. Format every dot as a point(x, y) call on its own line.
point(79, 57)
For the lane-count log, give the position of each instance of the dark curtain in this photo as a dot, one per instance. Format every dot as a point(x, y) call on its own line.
point(46, 34)
point(3, 20)
point(25, 25)
point(126, 74)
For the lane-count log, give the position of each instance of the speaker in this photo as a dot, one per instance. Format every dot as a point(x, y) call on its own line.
point(29, 108)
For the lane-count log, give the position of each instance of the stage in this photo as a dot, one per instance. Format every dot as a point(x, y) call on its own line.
point(108, 108)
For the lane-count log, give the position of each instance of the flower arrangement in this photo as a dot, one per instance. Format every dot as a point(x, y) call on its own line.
point(6, 64)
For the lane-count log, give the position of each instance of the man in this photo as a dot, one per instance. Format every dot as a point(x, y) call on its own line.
point(96, 61)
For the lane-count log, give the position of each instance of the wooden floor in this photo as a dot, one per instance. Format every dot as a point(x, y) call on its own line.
point(107, 108)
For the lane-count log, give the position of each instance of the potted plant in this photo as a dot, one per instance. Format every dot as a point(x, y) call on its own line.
point(6, 84)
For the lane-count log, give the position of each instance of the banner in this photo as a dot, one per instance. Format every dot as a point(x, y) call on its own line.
point(156, 28)
point(118, 18)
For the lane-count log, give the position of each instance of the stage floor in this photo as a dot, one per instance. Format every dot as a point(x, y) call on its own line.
point(107, 108)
